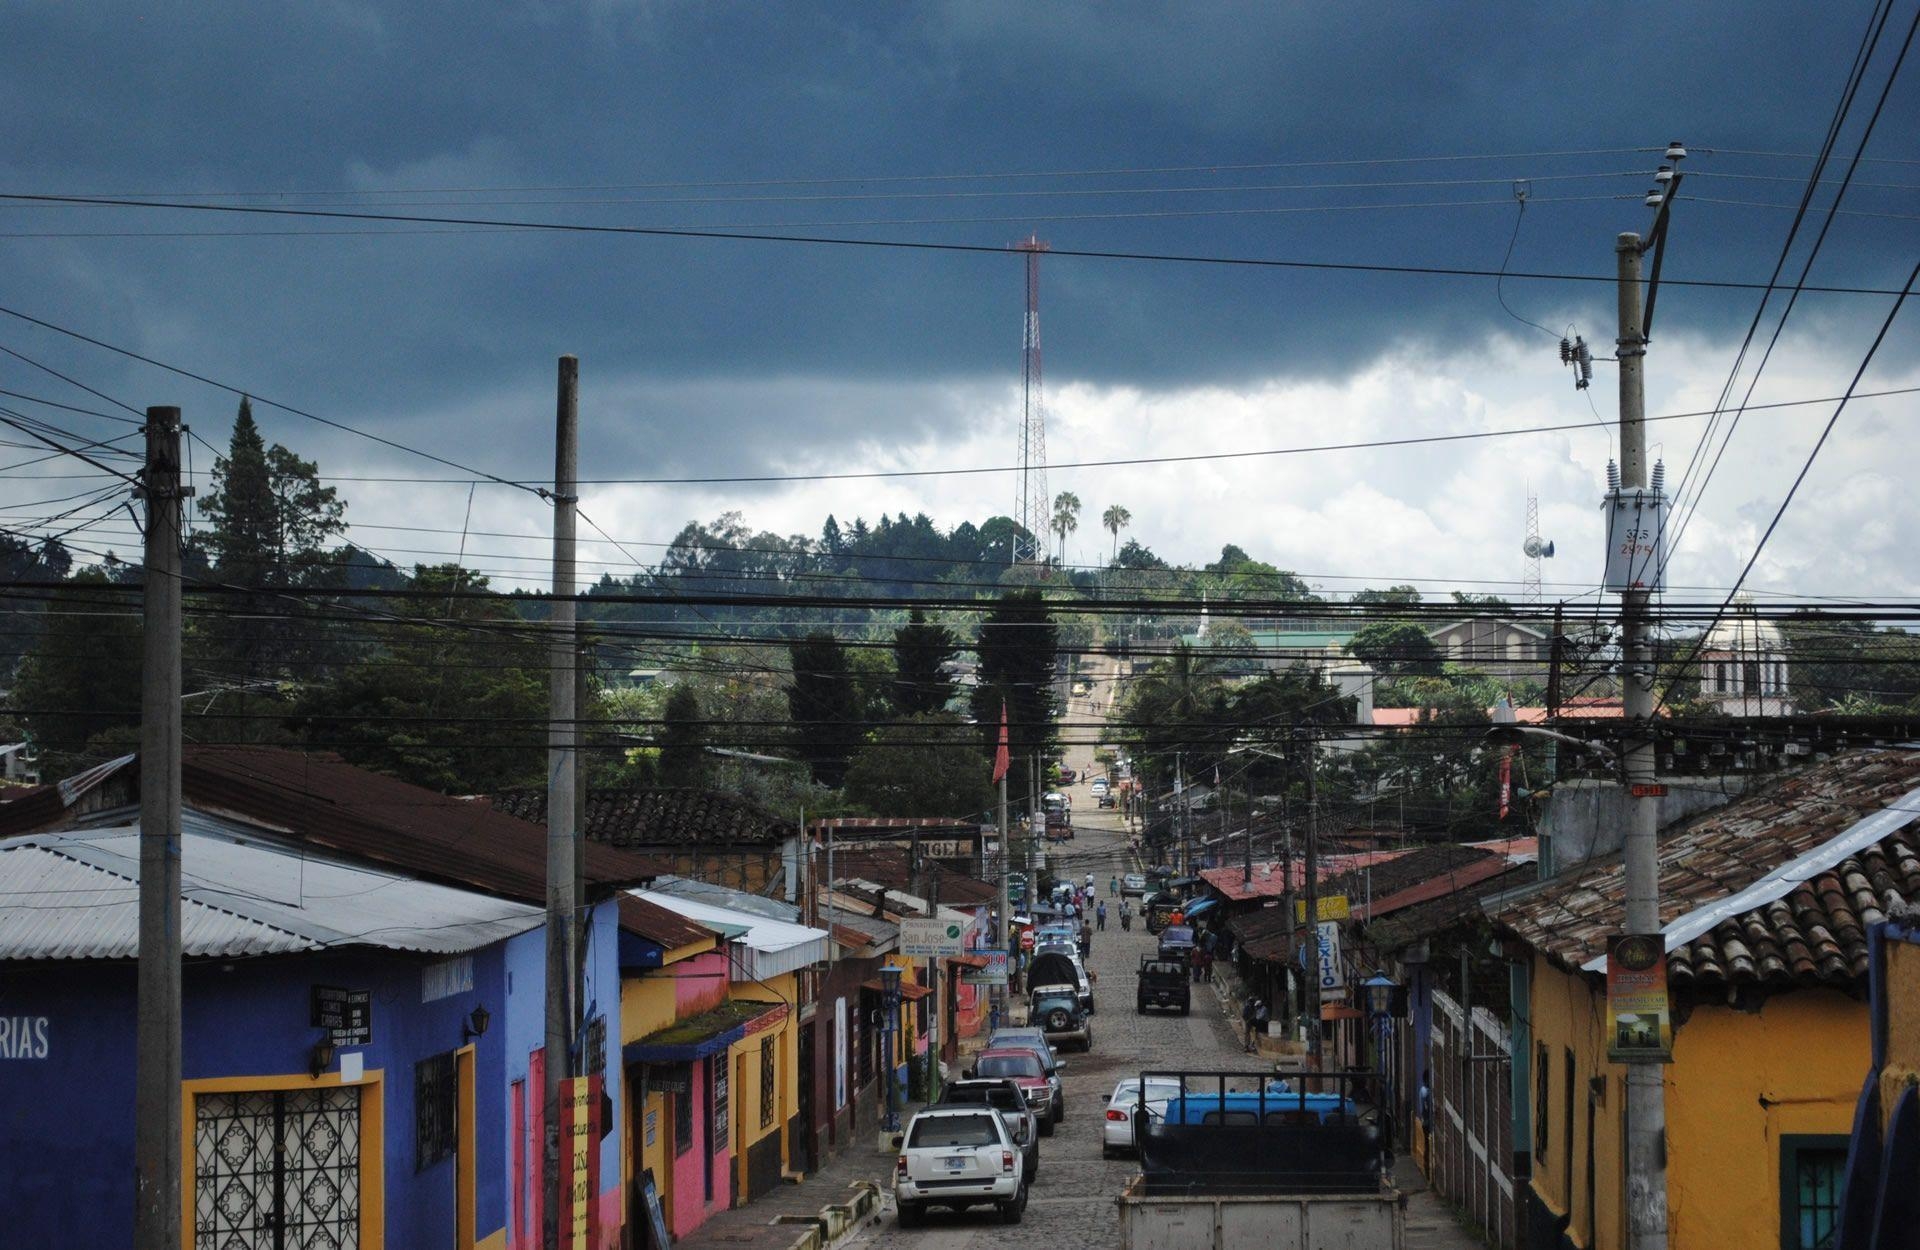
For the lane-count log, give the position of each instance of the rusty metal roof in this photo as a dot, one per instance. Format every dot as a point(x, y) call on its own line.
point(658, 925)
point(321, 799)
point(77, 896)
point(1815, 874)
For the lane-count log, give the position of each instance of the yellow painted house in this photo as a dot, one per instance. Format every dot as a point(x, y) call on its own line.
point(710, 997)
point(1765, 904)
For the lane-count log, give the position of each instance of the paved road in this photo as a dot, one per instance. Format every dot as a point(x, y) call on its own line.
point(1072, 1204)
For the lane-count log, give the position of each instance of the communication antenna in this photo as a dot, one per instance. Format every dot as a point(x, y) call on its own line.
point(1535, 550)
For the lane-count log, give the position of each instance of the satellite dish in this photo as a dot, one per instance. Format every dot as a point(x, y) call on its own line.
point(1535, 549)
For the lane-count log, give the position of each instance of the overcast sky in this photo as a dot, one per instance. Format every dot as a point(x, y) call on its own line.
point(1300, 132)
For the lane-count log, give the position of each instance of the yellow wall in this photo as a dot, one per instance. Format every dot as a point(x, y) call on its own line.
point(1903, 1025)
point(1568, 1016)
point(1744, 1079)
point(1738, 1082)
point(747, 1109)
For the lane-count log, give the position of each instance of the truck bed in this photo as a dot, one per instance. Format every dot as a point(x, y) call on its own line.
point(1341, 1221)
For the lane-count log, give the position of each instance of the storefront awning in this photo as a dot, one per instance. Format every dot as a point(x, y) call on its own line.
point(908, 990)
point(696, 1037)
point(968, 961)
point(1338, 1011)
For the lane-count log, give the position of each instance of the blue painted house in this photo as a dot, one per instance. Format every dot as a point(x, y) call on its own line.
point(363, 1011)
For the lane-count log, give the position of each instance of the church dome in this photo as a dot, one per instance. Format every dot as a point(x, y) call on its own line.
point(1744, 633)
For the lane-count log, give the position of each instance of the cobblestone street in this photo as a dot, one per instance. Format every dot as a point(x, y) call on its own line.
point(1072, 1202)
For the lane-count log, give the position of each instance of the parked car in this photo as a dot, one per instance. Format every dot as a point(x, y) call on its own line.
point(1103, 800)
point(1176, 942)
point(1134, 883)
point(1042, 971)
point(1025, 1068)
point(1163, 983)
point(1004, 1096)
point(1060, 1014)
point(958, 1157)
point(1116, 1129)
point(1100, 786)
point(1034, 1039)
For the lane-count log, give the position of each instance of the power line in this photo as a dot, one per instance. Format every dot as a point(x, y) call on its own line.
point(920, 245)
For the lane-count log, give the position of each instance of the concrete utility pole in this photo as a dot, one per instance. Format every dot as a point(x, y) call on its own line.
point(1003, 932)
point(563, 835)
point(1646, 1082)
point(156, 1101)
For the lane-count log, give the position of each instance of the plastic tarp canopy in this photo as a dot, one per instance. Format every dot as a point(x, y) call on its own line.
point(1053, 970)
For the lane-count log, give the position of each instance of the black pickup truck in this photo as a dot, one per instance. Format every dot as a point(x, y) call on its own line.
point(1163, 983)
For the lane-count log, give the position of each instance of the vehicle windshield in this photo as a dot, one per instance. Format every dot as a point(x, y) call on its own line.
point(1164, 968)
point(1009, 1065)
point(954, 1130)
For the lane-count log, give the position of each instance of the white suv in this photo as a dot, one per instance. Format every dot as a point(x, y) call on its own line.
point(958, 1157)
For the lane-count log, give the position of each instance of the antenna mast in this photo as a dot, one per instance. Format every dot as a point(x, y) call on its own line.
point(1530, 576)
point(1033, 512)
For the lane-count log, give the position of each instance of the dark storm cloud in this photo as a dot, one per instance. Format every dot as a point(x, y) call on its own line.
point(399, 331)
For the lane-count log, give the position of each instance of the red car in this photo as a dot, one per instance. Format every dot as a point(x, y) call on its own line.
point(1024, 1069)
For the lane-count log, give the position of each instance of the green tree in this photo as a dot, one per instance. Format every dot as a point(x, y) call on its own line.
point(455, 700)
point(1115, 519)
point(823, 702)
point(1018, 650)
point(683, 739)
point(1392, 594)
point(82, 678)
point(921, 653)
point(1397, 649)
point(926, 765)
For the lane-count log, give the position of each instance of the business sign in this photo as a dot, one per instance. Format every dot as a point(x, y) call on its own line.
point(580, 1105)
point(1330, 977)
point(1326, 907)
point(995, 973)
point(1639, 1022)
point(346, 1015)
point(923, 938)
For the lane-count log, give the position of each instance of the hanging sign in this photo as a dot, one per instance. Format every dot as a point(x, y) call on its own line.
point(1639, 1019)
point(924, 938)
point(995, 973)
point(1326, 907)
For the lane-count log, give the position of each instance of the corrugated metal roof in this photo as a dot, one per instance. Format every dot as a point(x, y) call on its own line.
point(76, 896)
point(767, 948)
point(658, 925)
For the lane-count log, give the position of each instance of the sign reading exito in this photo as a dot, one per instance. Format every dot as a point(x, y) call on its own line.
point(346, 1015)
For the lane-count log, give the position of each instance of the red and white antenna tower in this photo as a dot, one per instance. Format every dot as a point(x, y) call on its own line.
point(1034, 511)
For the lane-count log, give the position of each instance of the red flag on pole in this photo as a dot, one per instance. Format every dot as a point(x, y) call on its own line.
point(1001, 759)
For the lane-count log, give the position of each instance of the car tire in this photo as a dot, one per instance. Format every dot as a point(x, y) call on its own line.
point(1014, 1208)
point(1033, 1173)
point(911, 1214)
point(1046, 1127)
point(1185, 1008)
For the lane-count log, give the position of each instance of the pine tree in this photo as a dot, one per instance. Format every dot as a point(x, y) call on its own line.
point(823, 703)
point(921, 652)
point(683, 757)
point(1017, 648)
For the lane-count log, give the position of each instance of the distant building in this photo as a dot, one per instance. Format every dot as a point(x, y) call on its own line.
point(1505, 649)
point(1743, 665)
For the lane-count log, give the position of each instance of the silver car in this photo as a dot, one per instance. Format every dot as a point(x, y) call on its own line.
point(1116, 1129)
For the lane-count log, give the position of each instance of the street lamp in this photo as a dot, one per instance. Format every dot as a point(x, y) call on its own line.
point(1380, 992)
point(1382, 996)
point(889, 1030)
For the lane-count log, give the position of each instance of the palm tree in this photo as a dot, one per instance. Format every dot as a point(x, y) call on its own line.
point(1066, 518)
point(1115, 519)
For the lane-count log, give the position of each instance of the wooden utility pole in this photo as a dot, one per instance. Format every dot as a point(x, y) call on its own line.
point(1312, 890)
point(156, 1097)
point(563, 835)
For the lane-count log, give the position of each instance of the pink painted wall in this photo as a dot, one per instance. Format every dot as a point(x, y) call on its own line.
point(699, 984)
point(690, 1204)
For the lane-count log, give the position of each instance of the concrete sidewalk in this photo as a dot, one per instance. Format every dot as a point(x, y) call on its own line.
point(1431, 1223)
point(842, 1197)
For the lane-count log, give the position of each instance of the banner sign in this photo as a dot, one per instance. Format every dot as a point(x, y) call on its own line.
point(1639, 1021)
point(580, 1109)
point(931, 938)
point(995, 973)
point(1326, 907)
point(1330, 977)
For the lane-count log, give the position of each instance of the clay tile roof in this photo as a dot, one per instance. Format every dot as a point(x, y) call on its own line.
point(659, 818)
point(1812, 933)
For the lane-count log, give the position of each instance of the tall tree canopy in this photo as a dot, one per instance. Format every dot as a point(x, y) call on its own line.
point(823, 702)
point(921, 652)
point(1018, 648)
point(82, 679)
point(926, 765)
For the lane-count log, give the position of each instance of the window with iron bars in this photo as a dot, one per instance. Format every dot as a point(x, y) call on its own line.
point(766, 1082)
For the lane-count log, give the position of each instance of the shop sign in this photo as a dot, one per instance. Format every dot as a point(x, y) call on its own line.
point(1639, 1018)
point(995, 973)
point(1326, 907)
point(347, 1015)
point(932, 938)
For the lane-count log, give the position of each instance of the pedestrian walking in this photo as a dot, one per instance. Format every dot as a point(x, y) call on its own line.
point(1248, 1010)
point(1113, 886)
point(1193, 963)
point(1102, 915)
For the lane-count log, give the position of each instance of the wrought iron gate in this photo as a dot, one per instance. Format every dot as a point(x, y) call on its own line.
point(277, 1170)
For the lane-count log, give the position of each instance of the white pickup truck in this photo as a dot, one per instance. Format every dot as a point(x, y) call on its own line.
point(959, 1157)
